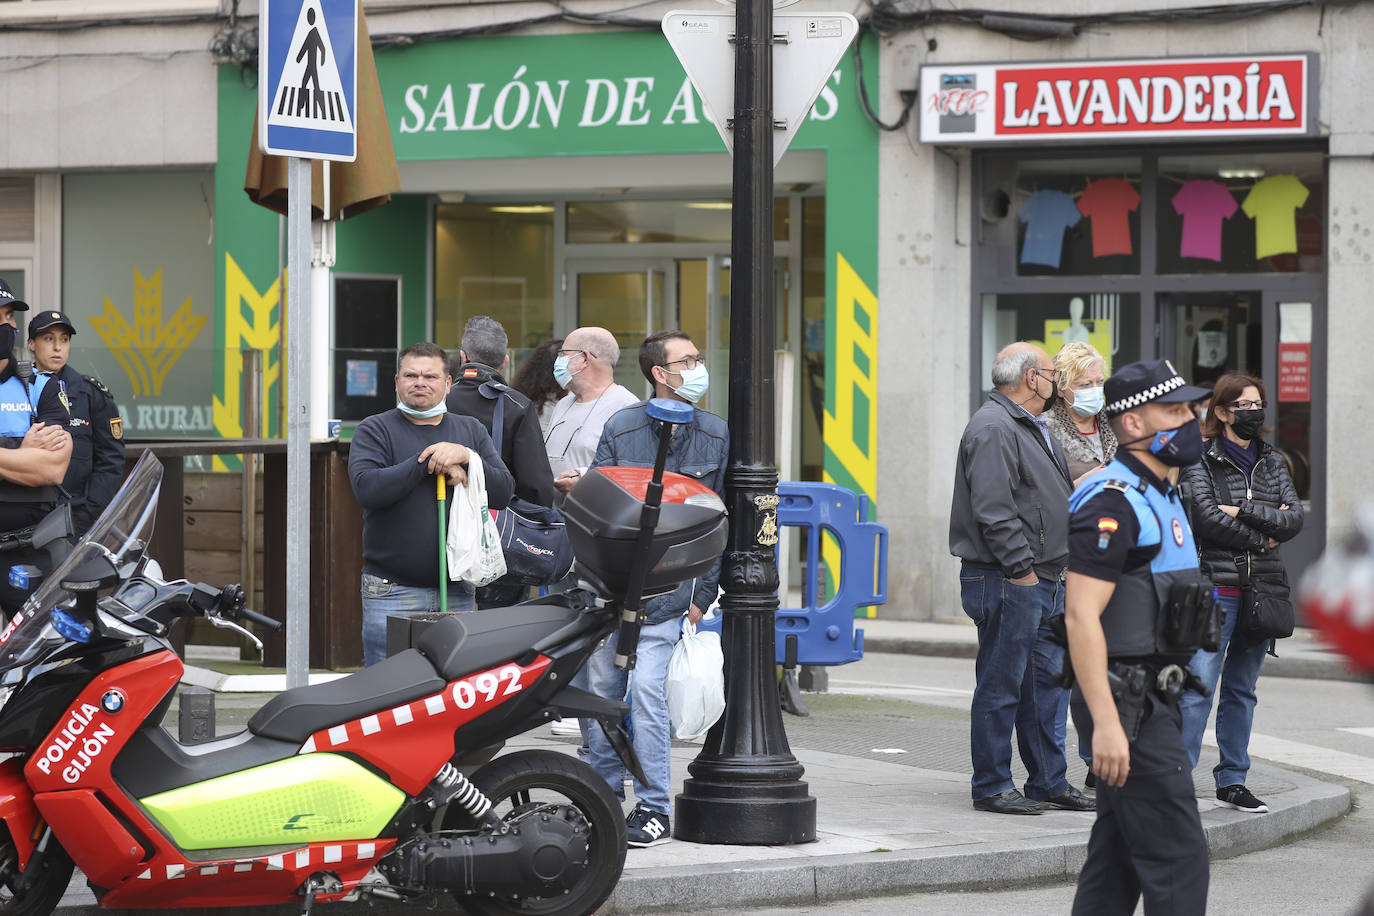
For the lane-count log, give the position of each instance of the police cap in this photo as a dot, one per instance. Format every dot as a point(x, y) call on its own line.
point(1147, 381)
point(44, 320)
point(7, 298)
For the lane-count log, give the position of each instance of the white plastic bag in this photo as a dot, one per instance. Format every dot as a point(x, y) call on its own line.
point(695, 683)
point(474, 543)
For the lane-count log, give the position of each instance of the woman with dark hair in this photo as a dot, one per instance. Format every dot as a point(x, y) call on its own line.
point(1242, 504)
point(535, 379)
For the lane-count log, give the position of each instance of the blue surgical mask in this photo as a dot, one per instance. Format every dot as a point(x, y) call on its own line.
point(561, 373)
point(1087, 402)
point(430, 414)
point(695, 381)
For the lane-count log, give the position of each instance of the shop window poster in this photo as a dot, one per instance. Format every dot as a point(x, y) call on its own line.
point(1108, 203)
point(1204, 206)
point(361, 378)
point(1272, 203)
point(1046, 215)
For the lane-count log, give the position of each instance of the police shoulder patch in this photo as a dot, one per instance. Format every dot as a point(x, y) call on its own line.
point(1120, 486)
point(99, 385)
point(117, 427)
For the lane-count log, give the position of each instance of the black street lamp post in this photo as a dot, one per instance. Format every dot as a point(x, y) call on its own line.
point(745, 785)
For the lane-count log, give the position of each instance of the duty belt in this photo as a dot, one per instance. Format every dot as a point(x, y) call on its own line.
point(1168, 681)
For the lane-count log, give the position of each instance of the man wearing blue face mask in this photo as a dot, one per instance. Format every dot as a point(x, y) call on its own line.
point(1137, 609)
point(672, 364)
point(392, 463)
point(585, 367)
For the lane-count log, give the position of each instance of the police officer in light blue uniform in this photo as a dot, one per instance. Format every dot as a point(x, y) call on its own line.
point(35, 449)
point(97, 465)
point(1136, 608)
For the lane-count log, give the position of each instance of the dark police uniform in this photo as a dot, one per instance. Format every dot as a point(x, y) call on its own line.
point(22, 404)
point(1129, 527)
point(97, 465)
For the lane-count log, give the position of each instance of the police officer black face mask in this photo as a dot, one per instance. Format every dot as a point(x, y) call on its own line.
point(6, 340)
point(1177, 447)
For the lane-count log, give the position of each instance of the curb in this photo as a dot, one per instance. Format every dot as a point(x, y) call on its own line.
point(732, 885)
point(1310, 805)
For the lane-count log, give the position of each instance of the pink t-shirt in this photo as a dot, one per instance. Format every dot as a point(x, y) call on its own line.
point(1203, 206)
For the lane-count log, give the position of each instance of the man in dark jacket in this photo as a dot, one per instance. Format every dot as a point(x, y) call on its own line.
point(1009, 525)
point(392, 463)
point(671, 363)
point(476, 386)
point(96, 468)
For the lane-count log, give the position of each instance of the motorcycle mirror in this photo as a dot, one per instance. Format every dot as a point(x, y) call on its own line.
point(669, 411)
point(55, 526)
point(94, 574)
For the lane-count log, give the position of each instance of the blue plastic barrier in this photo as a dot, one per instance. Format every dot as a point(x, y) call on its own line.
point(827, 635)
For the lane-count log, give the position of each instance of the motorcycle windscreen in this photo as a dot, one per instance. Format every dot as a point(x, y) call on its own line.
point(312, 798)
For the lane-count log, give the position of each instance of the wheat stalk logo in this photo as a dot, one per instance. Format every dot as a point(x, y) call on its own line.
point(148, 348)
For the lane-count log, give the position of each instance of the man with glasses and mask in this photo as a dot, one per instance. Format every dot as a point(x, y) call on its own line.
point(585, 367)
point(1009, 526)
point(392, 463)
point(1137, 610)
point(671, 363)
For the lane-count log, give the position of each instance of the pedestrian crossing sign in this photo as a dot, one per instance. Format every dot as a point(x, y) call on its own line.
point(308, 79)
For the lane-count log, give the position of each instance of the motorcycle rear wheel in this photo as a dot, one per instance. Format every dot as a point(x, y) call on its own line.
point(42, 897)
point(530, 777)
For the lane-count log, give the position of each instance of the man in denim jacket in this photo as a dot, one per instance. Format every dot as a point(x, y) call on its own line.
point(671, 363)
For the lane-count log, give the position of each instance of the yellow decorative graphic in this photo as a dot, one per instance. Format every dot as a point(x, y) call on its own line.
point(148, 348)
point(851, 432)
point(250, 322)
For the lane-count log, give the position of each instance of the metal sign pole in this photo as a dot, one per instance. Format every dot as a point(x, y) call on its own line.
point(298, 422)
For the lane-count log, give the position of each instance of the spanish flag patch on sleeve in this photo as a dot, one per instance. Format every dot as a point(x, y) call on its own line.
point(1106, 527)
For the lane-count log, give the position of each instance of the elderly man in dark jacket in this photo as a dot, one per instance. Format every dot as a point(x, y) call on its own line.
point(477, 383)
point(1009, 525)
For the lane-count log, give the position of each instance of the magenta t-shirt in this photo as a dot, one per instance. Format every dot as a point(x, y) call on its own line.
point(1203, 206)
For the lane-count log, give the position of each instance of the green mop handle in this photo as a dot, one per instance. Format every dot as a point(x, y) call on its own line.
point(443, 542)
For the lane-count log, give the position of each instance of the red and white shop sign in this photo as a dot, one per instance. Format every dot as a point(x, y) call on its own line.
point(1295, 372)
point(1262, 95)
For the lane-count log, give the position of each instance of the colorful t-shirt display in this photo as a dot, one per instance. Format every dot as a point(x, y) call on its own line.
point(1204, 205)
point(1108, 202)
point(1046, 215)
point(1271, 204)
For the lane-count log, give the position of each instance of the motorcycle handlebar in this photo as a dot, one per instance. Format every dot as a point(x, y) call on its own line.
point(260, 619)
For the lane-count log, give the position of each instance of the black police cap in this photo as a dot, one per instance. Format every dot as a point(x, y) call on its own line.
point(1147, 381)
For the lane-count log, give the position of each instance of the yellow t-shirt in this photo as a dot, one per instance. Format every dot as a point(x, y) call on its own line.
point(1270, 204)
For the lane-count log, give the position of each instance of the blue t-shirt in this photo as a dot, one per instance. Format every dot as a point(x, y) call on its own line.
point(1046, 215)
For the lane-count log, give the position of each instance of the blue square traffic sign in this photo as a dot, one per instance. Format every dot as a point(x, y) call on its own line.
point(308, 79)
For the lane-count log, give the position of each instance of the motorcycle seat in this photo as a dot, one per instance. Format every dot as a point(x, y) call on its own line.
point(460, 644)
point(296, 714)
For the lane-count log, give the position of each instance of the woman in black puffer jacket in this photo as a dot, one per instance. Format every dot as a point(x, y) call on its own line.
point(1242, 504)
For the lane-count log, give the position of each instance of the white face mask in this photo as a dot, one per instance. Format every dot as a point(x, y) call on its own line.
point(1087, 402)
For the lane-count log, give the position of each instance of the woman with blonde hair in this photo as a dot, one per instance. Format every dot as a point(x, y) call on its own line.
point(1088, 445)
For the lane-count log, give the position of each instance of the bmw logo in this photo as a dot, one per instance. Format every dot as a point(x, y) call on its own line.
point(112, 701)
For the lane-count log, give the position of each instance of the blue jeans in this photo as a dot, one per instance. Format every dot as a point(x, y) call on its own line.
point(382, 598)
point(1015, 667)
point(1239, 668)
point(649, 733)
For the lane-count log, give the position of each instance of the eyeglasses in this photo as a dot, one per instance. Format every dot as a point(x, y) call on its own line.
point(1246, 405)
point(688, 362)
point(571, 353)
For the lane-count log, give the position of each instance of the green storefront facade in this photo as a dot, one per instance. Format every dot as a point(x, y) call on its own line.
point(485, 127)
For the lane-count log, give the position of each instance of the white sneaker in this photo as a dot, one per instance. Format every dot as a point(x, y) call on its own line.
point(565, 728)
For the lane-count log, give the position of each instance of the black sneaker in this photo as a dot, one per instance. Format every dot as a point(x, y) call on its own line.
point(1239, 797)
point(644, 828)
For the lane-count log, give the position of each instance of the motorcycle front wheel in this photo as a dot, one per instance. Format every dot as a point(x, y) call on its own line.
point(48, 884)
point(518, 781)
